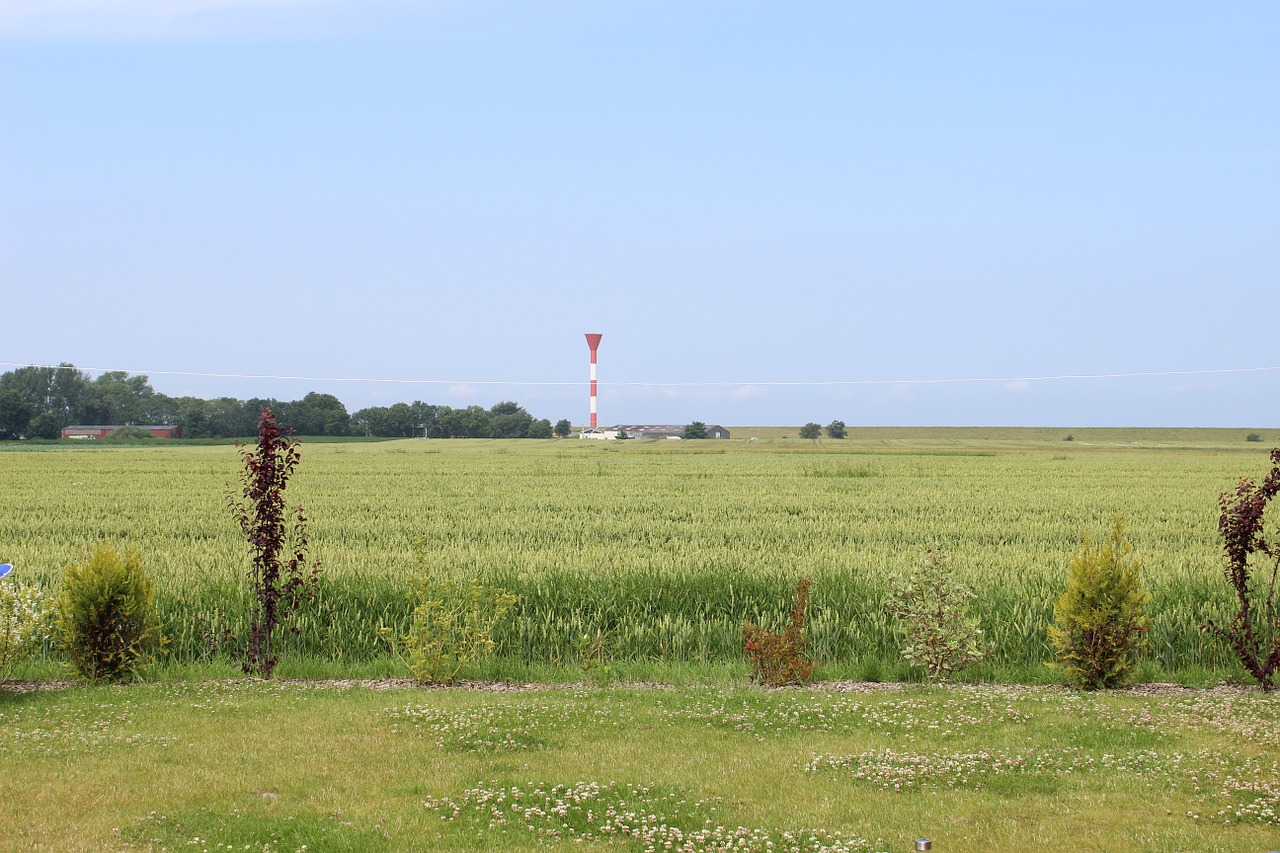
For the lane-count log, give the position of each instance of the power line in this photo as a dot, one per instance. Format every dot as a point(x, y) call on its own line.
point(628, 384)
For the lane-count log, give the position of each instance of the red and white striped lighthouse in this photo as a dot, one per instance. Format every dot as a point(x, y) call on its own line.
point(593, 341)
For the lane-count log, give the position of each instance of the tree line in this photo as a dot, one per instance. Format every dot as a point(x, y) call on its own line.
point(37, 402)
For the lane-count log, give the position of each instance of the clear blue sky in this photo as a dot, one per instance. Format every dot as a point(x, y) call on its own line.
point(731, 192)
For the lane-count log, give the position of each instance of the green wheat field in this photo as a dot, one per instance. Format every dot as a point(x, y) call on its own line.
point(659, 550)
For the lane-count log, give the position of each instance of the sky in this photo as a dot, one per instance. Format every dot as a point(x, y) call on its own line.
point(897, 213)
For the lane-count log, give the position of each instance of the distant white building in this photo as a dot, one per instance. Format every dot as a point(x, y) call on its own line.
point(600, 433)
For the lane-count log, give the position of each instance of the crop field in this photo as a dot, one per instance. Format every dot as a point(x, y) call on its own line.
point(659, 550)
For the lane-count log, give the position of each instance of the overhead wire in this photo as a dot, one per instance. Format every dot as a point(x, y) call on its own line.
point(641, 384)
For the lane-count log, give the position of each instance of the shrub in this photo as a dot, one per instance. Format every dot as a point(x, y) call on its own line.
point(106, 615)
point(26, 620)
point(931, 607)
point(1100, 622)
point(697, 429)
point(1253, 436)
point(1254, 632)
point(778, 659)
point(811, 431)
point(281, 578)
point(836, 429)
point(130, 433)
point(452, 625)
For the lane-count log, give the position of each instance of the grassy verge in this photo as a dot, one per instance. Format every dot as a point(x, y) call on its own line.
point(225, 764)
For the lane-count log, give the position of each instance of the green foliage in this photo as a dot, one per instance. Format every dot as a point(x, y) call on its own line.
point(697, 429)
point(778, 659)
point(106, 615)
point(1100, 622)
point(932, 609)
point(26, 620)
point(836, 429)
point(593, 656)
point(811, 431)
point(563, 428)
point(44, 425)
point(540, 428)
point(452, 626)
point(15, 415)
point(130, 434)
point(1253, 436)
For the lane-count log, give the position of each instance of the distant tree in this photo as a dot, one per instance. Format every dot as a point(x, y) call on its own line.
point(117, 398)
point(563, 428)
point(471, 422)
point(246, 422)
point(15, 415)
point(697, 429)
point(811, 430)
point(395, 421)
point(317, 414)
point(44, 425)
point(424, 413)
point(1253, 436)
point(622, 435)
point(540, 429)
point(510, 420)
point(835, 429)
point(55, 390)
point(195, 416)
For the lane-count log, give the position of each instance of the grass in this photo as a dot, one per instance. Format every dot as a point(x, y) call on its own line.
point(217, 765)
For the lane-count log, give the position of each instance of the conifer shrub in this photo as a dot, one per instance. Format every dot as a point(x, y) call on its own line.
point(932, 609)
point(106, 615)
point(779, 659)
point(26, 620)
point(1100, 622)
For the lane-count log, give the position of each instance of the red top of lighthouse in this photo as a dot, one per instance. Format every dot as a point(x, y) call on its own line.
point(593, 340)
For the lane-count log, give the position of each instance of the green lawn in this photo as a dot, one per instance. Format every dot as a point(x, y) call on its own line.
point(236, 765)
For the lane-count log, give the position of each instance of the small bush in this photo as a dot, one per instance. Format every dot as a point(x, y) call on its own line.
point(1100, 622)
point(282, 578)
point(778, 659)
point(1253, 436)
point(106, 615)
point(1253, 570)
point(26, 620)
point(131, 433)
point(452, 625)
point(932, 611)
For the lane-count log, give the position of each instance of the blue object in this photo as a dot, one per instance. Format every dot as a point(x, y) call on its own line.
point(5, 568)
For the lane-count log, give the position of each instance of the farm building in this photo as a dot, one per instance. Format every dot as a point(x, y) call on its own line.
point(667, 430)
point(95, 432)
point(673, 431)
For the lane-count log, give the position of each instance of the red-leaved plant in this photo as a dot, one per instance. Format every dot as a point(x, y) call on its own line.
point(778, 659)
point(1254, 636)
point(282, 579)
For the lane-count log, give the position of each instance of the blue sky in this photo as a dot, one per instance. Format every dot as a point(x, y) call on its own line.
point(747, 199)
